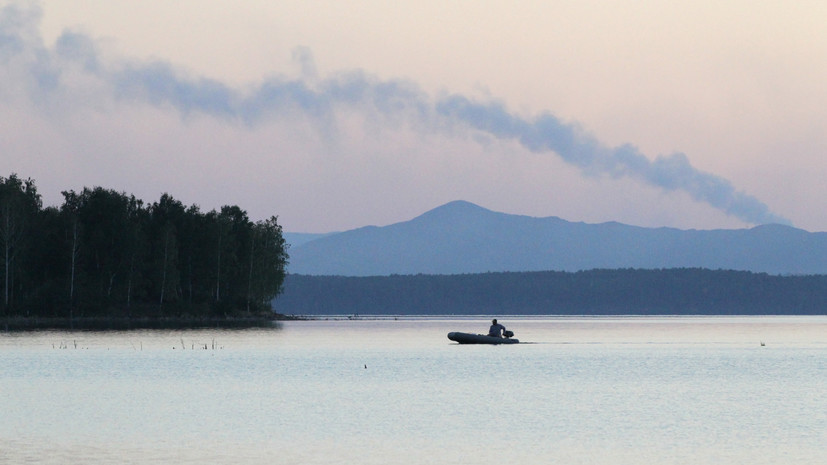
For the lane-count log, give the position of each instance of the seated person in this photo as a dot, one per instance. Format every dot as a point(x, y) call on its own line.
point(496, 329)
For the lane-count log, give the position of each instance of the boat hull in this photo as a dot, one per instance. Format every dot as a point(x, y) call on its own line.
point(468, 338)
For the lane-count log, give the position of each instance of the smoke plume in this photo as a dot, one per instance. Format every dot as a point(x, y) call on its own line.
point(75, 67)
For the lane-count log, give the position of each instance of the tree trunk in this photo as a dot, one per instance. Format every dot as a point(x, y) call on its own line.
point(250, 274)
point(218, 271)
point(7, 240)
point(164, 270)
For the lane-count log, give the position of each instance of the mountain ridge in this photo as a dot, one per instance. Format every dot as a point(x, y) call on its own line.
point(460, 237)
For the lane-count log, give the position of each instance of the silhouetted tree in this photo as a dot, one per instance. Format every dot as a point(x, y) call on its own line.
point(103, 252)
point(268, 262)
point(19, 204)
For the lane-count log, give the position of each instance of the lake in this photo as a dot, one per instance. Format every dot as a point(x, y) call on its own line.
point(619, 390)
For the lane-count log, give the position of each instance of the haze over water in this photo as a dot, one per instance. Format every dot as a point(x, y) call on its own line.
point(588, 390)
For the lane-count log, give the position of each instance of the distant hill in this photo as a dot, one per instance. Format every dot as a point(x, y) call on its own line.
point(460, 237)
point(299, 239)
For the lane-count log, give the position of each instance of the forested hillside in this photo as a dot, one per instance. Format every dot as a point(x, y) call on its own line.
point(685, 291)
point(106, 253)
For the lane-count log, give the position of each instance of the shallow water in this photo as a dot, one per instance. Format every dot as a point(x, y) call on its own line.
point(667, 390)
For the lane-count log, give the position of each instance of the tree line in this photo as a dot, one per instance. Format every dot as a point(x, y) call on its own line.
point(678, 291)
point(106, 253)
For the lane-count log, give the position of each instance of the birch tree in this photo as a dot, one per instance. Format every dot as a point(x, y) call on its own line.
point(70, 208)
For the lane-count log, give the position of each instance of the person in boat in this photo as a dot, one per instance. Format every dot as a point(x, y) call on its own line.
point(496, 329)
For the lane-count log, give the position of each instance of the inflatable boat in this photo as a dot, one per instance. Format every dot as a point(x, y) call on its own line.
point(468, 338)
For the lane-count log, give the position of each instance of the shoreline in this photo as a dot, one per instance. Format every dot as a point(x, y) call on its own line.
point(23, 324)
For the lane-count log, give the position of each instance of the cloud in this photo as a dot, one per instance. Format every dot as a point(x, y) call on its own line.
point(75, 64)
point(304, 57)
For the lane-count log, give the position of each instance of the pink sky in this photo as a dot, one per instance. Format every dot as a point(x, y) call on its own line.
point(331, 114)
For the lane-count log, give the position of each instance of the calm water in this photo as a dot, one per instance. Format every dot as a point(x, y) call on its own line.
point(589, 391)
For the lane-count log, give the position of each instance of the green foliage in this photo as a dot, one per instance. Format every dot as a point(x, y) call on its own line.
point(104, 253)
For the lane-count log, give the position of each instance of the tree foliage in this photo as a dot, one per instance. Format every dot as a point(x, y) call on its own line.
point(106, 253)
point(19, 204)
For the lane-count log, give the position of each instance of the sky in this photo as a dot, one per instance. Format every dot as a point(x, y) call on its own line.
point(335, 115)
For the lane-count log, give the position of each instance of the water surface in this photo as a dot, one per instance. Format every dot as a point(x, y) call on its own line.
point(666, 390)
